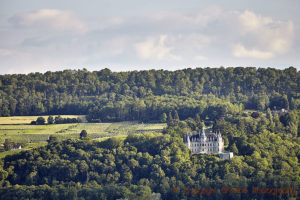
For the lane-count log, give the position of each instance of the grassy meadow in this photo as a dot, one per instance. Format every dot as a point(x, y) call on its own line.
point(28, 119)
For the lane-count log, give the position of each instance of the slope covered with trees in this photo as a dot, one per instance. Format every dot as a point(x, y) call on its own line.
point(149, 166)
point(144, 165)
point(146, 95)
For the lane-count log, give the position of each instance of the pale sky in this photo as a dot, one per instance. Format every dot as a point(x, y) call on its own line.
point(123, 35)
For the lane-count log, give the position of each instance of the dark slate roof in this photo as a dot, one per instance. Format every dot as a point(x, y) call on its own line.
point(196, 135)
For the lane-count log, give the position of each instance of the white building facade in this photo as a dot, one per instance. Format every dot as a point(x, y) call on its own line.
point(202, 142)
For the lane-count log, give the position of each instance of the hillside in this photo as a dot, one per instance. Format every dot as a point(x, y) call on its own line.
point(148, 165)
point(146, 95)
point(256, 110)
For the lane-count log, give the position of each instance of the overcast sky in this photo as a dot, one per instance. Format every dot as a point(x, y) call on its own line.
point(40, 35)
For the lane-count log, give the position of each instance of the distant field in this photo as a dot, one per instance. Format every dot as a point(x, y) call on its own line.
point(28, 119)
point(37, 133)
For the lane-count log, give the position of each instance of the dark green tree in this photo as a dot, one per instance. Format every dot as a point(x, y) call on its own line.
point(50, 120)
point(176, 116)
point(8, 144)
point(83, 135)
point(40, 121)
point(52, 139)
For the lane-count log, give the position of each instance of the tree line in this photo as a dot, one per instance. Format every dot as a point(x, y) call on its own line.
point(57, 120)
point(145, 95)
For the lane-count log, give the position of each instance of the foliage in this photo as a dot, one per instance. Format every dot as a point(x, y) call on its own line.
point(50, 120)
point(40, 121)
point(141, 164)
point(145, 163)
point(145, 95)
point(8, 145)
point(83, 134)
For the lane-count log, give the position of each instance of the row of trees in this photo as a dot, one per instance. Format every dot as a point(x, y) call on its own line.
point(56, 120)
point(110, 96)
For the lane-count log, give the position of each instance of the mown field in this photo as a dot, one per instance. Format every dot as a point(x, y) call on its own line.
point(28, 119)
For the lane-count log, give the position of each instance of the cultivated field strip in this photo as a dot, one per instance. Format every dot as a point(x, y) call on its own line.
point(37, 133)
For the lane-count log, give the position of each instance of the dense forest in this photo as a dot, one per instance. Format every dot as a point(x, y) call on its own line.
point(152, 166)
point(146, 95)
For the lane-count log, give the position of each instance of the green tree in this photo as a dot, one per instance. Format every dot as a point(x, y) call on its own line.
point(8, 144)
point(176, 116)
point(234, 149)
point(40, 121)
point(170, 119)
point(270, 118)
point(50, 120)
point(52, 139)
point(83, 135)
point(163, 118)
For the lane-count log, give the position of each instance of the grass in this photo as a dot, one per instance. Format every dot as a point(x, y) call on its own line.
point(28, 119)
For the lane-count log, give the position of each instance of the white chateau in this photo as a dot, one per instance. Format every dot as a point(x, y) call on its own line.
point(205, 143)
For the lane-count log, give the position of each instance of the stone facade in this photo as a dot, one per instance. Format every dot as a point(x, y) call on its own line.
point(201, 142)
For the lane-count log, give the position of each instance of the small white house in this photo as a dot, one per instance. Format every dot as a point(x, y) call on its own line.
point(226, 155)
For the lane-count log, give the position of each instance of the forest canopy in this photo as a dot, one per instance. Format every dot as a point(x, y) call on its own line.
point(145, 95)
point(256, 110)
point(143, 165)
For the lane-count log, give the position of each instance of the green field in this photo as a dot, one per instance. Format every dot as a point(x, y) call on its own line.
point(36, 135)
